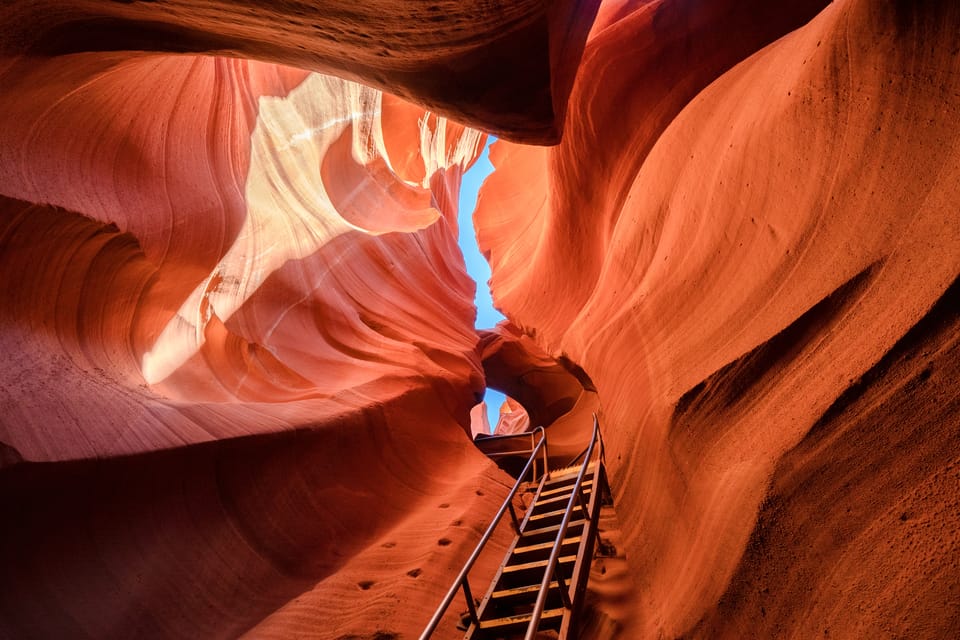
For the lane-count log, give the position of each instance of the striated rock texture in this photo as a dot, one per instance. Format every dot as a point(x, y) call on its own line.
point(543, 391)
point(239, 352)
point(211, 238)
point(239, 355)
point(515, 364)
point(752, 245)
point(447, 55)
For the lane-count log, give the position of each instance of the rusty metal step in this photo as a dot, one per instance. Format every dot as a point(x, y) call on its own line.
point(550, 619)
point(560, 499)
point(566, 488)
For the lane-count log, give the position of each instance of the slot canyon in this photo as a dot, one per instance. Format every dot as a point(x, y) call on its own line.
point(241, 374)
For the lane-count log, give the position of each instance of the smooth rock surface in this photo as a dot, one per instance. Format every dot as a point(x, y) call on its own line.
point(239, 353)
point(449, 56)
point(233, 306)
point(764, 294)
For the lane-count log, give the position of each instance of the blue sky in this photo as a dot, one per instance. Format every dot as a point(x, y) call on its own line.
point(477, 267)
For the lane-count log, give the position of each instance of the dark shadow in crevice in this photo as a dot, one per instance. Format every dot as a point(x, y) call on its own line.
point(577, 372)
point(746, 375)
point(943, 316)
point(881, 456)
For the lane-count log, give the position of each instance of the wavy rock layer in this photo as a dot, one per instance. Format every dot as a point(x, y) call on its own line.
point(761, 293)
point(505, 66)
point(227, 238)
point(239, 355)
point(236, 327)
point(273, 534)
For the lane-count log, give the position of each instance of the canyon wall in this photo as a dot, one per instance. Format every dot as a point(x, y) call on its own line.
point(447, 55)
point(239, 354)
point(753, 249)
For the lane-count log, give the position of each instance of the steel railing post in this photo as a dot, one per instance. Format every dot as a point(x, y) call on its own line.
point(461, 580)
point(471, 607)
point(552, 563)
point(513, 516)
point(564, 590)
point(583, 502)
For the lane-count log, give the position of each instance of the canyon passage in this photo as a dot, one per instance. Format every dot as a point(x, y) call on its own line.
point(239, 346)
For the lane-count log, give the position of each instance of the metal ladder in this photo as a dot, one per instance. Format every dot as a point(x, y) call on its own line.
point(543, 576)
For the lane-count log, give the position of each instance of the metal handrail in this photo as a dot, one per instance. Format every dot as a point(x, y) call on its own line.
point(500, 454)
point(503, 454)
point(603, 453)
point(575, 495)
point(462, 580)
point(503, 436)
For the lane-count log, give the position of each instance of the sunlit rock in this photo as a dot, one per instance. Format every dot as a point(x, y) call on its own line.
point(233, 303)
point(240, 371)
point(513, 418)
point(750, 249)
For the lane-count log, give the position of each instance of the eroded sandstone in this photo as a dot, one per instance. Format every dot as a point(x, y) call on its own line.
point(239, 355)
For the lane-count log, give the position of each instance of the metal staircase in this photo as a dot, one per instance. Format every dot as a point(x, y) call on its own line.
point(539, 586)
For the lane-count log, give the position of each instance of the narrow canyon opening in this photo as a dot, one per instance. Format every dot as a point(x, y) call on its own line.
point(479, 270)
point(242, 358)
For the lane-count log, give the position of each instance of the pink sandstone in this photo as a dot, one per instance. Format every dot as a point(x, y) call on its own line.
point(239, 355)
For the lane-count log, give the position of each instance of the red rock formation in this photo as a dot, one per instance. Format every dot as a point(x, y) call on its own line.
point(513, 363)
point(513, 418)
point(273, 534)
point(644, 62)
point(240, 258)
point(756, 274)
point(447, 55)
point(551, 394)
point(236, 326)
point(239, 358)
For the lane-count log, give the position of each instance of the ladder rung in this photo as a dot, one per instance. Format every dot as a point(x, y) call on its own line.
point(534, 565)
point(536, 532)
point(520, 619)
point(564, 470)
point(570, 472)
point(559, 498)
point(587, 482)
point(546, 545)
point(519, 591)
point(549, 514)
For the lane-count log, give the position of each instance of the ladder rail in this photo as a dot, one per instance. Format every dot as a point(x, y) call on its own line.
point(575, 495)
point(481, 440)
point(504, 436)
point(461, 580)
point(603, 453)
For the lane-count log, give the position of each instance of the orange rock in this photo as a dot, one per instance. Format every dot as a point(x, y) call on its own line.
point(738, 256)
point(505, 67)
point(239, 355)
point(222, 351)
point(513, 363)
